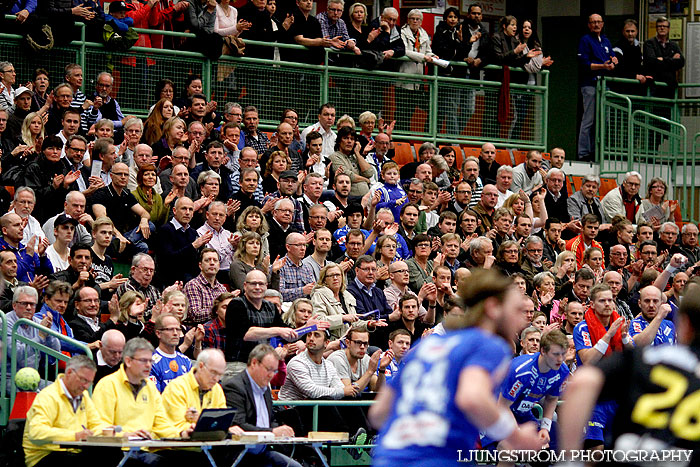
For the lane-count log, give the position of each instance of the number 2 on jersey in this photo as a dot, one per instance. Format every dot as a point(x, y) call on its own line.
point(651, 411)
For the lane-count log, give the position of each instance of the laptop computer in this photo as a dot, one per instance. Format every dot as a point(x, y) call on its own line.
point(212, 425)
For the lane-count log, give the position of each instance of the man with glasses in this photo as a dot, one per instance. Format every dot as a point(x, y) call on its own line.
point(688, 246)
point(104, 105)
point(287, 189)
point(140, 277)
point(281, 225)
point(86, 324)
point(24, 302)
point(624, 200)
point(296, 279)
point(249, 393)
point(617, 262)
point(399, 278)
point(596, 58)
point(168, 362)
point(556, 199)
point(128, 398)
point(143, 155)
point(668, 237)
point(122, 207)
point(462, 196)
point(662, 59)
point(532, 261)
point(485, 208)
point(248, 159)
point(63, 410)
point(363, 287)
point(355, 367)
point(250, 319)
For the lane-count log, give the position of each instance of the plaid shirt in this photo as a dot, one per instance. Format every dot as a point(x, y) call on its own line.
point(298, 220)
point(150, 292)
point(260, 144)
point(333, 30)
point(293, 278)
point(201, 295)
point(214, 335)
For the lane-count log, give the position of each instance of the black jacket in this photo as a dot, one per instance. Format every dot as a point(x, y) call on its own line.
point(39, 177)
point(663, 70)
point(239, 395)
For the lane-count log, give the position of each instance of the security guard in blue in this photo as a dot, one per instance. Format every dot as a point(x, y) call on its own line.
point(652, 327)
point(535, 379)
point(444, 396)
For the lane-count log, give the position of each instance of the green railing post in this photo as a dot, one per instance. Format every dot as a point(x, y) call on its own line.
point(206, 77)
point(325, 82)
point(81, 55)
point(433, 112)
point(4, 401)
point(40, 348)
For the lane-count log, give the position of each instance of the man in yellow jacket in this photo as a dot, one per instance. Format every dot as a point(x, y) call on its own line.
point(62, 411)
point(181, 398)
point(129, 399)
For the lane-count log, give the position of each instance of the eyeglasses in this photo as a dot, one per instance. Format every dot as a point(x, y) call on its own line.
point(285, 210)
point(423, 245)
point(333, 275)
point(170, 329)
point(360, 343)
point(416, 192)
point(120, 174)
point(400, 271)
point(88, 300)
point(217, 374)
point(145, 269)
point(27, 304)
point(76, 149)
point(257, 284)
point(368, 269)
point(143, 361)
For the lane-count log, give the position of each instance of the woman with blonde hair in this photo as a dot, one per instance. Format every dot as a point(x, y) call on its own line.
point(132, 306)
point(330, 300)
point(564, 268)
point(655, 208)
point(33, 130)
point(174, 134)
point(253, 220)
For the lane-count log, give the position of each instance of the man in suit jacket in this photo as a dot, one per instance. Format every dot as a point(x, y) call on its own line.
point(86, 323)
point(369, 297)
point(178, 245)
point(249, 393)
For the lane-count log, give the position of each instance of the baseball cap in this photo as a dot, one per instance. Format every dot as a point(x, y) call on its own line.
point(63, 219)
point(289, 174)
point(117, 6)
point(21, 90)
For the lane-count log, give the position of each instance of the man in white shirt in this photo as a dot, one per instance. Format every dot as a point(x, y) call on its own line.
point(504, 180)
point(326, 120)
point(24, 203)
point(220, 238)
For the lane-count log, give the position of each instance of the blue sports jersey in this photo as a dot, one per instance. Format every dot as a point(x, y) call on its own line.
point(392, 371)
point(425, 427)
point(665, 335)
point(582, 339)
point(525, 386)
point(167, 367)
point(340, 234)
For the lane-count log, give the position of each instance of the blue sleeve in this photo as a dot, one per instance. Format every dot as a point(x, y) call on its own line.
point(486, 353)
point(582, 338)
point(403, 251)
point(635, 327)
point(584, 52)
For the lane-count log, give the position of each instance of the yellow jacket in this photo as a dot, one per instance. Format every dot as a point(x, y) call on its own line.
point(183, 392)
point(51, 418)
point(116, 405)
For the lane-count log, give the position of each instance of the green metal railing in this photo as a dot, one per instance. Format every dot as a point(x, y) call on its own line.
point(648, 134)
point(426, 107)
point(47, 351)
point(339, 454)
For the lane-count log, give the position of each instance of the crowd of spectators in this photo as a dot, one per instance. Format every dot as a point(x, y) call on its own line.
point(239, 242)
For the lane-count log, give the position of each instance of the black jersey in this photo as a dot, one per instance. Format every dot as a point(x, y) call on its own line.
point(658, 392)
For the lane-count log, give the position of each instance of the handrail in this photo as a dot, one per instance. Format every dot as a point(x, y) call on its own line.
point(628, 101)
point(321, 403)
point(39, 347)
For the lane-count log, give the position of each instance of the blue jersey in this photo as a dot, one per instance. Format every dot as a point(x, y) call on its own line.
point(665, 335)
point(340, 234)
point(582, 339)
point(392, 371)
point(525, 385)
point(167, 367)
point(389, 195)
point(425, 426)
